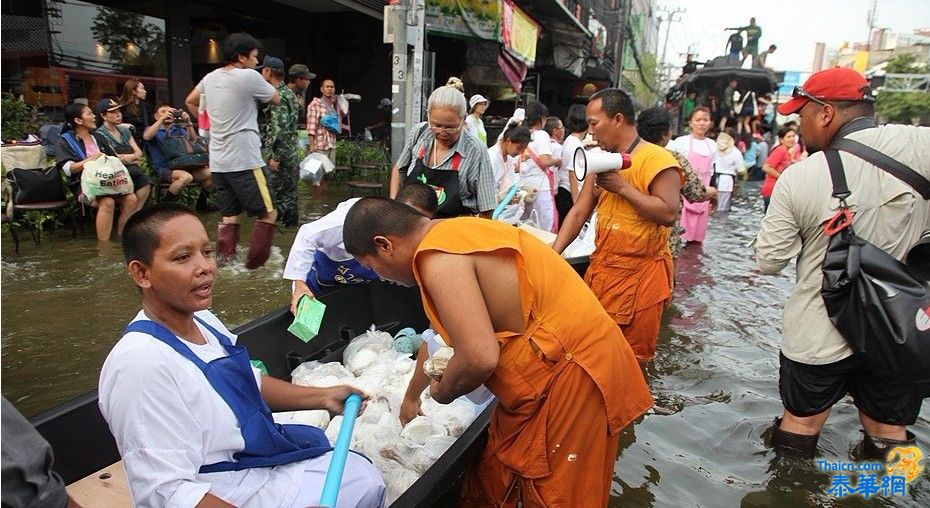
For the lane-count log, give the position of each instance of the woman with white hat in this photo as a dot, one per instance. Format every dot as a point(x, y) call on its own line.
point(473, 122)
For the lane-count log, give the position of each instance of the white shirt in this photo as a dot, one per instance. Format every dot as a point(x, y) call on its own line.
point(324, 235)
point(530, 173)
point(168, 421)
point(571, 144)
point(475, 126)
point(704, 146)
point(729, 164)
point(504, 168)
point(234, 94)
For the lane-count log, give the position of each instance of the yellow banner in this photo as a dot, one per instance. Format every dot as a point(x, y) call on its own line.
point(861, 63)
point(521, 33)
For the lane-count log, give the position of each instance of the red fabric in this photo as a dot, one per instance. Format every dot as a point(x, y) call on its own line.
point(778, 159)
point(514, 70)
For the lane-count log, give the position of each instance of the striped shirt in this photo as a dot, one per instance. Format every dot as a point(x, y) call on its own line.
point(476, 176)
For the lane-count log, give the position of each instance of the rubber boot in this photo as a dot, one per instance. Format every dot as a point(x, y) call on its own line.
point(204, 204)
point(798, 445)
point(877, 448)
point(227, 239)
point(260, 244)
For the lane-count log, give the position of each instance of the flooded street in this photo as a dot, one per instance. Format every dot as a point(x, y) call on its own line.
point(715, 377)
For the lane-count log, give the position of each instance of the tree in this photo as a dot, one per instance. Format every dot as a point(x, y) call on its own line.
point(137, 46)
point(904, 107)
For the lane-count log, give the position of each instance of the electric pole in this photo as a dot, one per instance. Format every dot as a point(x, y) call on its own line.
point(873, 13)
point(620, 47)
point(666, 74)
point(398, 18)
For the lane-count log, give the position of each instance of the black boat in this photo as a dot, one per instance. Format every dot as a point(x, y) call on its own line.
point(83, 444)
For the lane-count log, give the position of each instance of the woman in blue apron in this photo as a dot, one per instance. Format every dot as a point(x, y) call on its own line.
point(191, 417)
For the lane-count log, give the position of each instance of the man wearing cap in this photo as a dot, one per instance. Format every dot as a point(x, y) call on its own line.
point(298, 80)
point(279, 142)
point(817, 367)
point(474, 125)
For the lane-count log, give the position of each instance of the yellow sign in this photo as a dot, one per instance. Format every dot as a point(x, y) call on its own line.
point(861, 62)
point(520, 33)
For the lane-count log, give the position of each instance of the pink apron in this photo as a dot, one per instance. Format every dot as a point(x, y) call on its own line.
point(695, 216)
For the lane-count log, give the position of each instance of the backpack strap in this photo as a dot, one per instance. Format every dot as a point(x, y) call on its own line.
point(898, 170)
point(843, 217)
point(71, 139)
point(837, 175)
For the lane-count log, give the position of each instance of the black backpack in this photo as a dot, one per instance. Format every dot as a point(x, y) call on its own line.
point(879, 304)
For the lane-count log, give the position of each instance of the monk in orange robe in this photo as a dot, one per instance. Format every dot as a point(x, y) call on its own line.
point(631, 267)
point(525, 325)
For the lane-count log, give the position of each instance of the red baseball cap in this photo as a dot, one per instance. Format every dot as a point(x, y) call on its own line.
point(836, 84)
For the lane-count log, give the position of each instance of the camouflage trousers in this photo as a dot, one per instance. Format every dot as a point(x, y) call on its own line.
point(283, 186)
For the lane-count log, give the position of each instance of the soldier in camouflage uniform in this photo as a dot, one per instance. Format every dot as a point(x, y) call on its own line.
point(279, 143)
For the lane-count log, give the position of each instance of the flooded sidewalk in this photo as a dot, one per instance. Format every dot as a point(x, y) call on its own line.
point(715, 377)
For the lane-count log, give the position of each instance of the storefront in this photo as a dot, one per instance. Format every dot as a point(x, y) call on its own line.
point(68, 49)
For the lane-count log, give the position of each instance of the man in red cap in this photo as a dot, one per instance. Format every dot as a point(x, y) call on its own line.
point(817, 367)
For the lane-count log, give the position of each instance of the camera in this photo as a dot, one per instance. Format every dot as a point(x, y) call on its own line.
point(177, 114)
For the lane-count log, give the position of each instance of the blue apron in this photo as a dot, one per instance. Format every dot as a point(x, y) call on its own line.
point(326, 273)
point(267, 443)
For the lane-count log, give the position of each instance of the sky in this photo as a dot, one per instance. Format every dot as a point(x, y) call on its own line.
point(792, 25)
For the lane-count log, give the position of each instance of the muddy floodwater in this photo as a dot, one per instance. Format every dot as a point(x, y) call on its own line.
point(715, 377)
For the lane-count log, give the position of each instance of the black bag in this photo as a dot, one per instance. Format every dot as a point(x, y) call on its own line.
point(181, 152)
point(36, 185)
point(879, 304)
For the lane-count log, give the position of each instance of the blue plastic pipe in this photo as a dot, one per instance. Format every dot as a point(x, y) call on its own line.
point(506, 201)
point(340, 452)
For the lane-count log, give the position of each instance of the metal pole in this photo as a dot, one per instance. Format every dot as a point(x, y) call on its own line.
point(621, 42)
point(399, 81)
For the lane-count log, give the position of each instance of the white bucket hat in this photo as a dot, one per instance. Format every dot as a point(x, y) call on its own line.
point(475, 100)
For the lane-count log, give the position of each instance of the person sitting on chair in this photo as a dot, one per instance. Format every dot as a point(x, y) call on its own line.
point(171, 126)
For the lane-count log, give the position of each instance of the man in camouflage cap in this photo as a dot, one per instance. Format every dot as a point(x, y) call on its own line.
point(279, 142)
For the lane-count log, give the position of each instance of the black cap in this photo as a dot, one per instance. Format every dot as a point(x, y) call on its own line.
point(106, 105)
point(275, 64)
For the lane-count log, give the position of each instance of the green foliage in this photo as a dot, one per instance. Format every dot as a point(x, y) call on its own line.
point(904, 107)
point(905, 64)
point(38, 218)
point(641, 88)
point(137, 45)
point(19, 118)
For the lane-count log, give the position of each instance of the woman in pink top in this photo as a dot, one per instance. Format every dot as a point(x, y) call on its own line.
point(781, 157)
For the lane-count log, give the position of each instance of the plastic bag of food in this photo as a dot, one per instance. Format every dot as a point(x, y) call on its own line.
point(455, 416)
point(323, 375)
point(436, 364)
point(316, 417)
point(421, 428)
point(366, 349)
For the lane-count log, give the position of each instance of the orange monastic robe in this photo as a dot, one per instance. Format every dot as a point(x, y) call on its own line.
point(631, 267)
point(565, 387)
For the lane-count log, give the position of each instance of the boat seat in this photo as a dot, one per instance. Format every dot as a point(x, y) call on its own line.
point(107, 487)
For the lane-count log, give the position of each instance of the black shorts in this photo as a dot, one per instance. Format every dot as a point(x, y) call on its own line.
point(807, 390)
point(138, 176)
point(243, 191)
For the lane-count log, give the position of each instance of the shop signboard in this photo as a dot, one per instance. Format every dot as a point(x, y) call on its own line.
point(473, 19)
point(520, 33)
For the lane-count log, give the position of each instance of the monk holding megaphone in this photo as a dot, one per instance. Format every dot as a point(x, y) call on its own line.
point(635, 189)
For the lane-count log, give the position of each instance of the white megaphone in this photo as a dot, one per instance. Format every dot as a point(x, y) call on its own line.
point(591, 163)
